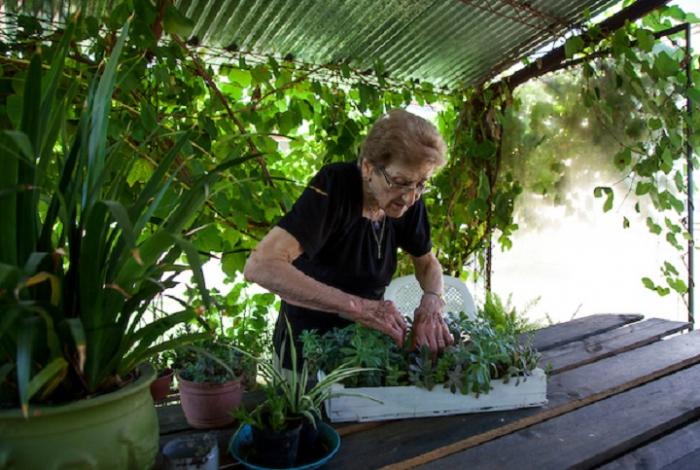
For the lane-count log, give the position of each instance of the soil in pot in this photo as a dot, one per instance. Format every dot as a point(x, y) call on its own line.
point(209, 405)
point(160, 388)
point(275, 449)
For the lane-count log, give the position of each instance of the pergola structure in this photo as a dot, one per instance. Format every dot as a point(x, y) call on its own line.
point(450, 43)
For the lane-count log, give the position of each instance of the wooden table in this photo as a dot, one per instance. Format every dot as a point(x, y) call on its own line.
point(623, 392)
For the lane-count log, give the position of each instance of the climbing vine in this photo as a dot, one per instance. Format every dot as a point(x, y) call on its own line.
point(295, 117)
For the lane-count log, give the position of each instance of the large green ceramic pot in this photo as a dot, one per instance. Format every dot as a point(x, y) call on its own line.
point(118, 430)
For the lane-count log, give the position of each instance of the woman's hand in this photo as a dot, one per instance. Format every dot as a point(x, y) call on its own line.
point(429, 328)
point(383, 316)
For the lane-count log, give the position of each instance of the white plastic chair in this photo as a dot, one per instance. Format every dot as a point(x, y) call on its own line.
point(406, 293)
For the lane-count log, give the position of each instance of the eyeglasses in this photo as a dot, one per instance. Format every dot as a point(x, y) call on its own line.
point(418, 189)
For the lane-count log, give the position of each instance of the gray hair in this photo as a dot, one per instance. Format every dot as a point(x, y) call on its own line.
point(400, 136)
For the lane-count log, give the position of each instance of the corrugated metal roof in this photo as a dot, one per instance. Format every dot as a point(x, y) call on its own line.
point(446, 42)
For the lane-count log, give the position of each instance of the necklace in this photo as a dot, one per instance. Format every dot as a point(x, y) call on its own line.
point(380, 237)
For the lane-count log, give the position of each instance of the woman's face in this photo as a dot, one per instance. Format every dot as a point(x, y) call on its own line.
point(397, 186)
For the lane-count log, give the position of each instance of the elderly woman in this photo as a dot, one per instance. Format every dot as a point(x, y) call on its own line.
point(331, 257)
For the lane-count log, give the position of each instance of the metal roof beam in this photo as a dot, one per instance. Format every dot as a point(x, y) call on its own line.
point(553, 60)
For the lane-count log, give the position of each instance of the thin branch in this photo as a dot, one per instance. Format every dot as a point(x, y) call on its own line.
point(212, 85)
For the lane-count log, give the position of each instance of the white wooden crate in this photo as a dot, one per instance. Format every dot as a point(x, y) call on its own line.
point(415, 402)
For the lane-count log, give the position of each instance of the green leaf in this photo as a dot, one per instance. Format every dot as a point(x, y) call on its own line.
point(678, 285)
point(233, 263)
point(623, 158)
point(121, 217)
point(196, 264)
point(620, 42)
point(175, 22)
point(573, 45)
point(261, 74)
point(694, 94)
point(25, 345)
point(75, 326)
point(47, 377)
point(598, 192)
point(23, 144)
point(119, 15)
point(653, 226)
point(643, 188)
point(669, 268)
point(665, 65)
point(625, 222)
point(100, 106)
point(148, 116)
point(648, 283)
point(645, 39)
point(655, 124)
point(242, 77)
point(140, 172)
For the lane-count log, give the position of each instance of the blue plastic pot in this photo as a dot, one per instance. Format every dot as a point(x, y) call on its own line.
point(328, 439)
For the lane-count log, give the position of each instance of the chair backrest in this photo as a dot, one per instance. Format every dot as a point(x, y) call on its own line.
point(406, 293)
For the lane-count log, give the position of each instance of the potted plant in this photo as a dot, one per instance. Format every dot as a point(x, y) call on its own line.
point(489, 352)
point(162, 363)
point(282, 430)
point(81, 258)
point(239, 319)
point(210, 379)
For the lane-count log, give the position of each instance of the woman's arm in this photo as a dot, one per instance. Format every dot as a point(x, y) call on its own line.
point(429, 327)
point(270, 265)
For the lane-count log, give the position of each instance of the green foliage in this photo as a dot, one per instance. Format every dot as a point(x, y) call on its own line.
point(472, 196)
point(291, 396)
point(505, 318)
point(163, 360)
point(238, 317)
point(212, 361)
point(491, 347)
point(619, 116)
point(83, 255)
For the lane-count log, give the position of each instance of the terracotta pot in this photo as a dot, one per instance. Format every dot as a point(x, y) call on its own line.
point(209, 405)
point(160, 388)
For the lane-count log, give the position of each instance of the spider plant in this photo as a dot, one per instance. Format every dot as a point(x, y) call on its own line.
point(81, 257)
point(290, 396)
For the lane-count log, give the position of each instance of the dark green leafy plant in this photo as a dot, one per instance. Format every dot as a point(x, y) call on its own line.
point(81, 254)
point(484, 350)
point(163, 360)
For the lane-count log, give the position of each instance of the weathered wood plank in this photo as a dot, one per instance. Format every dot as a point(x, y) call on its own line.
point(417, 441)
point(593, 434)
point(596, 347)
point(580, 328)
point(689, 461)
point(671, 449)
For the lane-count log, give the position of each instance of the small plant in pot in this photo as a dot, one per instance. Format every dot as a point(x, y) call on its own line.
point(210, 378)
point(284, 426)
point(162, 363)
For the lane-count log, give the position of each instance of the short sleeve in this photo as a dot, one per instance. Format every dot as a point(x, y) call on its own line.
point(312, 218)
point(413, 231)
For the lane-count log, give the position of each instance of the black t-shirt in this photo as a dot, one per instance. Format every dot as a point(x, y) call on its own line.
point(340, 245)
